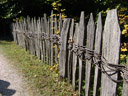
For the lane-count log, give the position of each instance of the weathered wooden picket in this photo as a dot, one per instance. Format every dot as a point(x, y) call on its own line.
point(80, 47)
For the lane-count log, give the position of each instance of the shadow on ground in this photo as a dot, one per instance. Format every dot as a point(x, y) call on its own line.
point(6, 38)
point(4, 91)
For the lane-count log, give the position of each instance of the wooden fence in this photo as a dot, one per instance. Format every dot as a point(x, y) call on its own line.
point(88, 56)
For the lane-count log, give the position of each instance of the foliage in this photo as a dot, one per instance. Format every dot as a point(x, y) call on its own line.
point(14, 8)
point(74, 7)
point(57, 8)
point(123, 17)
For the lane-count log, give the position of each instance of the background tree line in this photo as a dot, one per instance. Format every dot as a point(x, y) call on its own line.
point(12, 9)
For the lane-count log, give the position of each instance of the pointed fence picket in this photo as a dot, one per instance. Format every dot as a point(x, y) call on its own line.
point(75, 58)
point(90, 45)
point(84, 50)
point(98, 39)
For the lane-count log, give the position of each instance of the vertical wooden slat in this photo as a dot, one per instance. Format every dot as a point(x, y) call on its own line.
point(81, 42)
point(63, 48)
point(75, 58)
point(25, 33)
point(55, 29)
point(110, 50)
point(41, 41)
point(28, 40)
point(14, 32)
point(23, 25)
point(48, 42)
point(125, 84)
point(49, 45)
point(22, 36)
point(18, 37)
point(45, 42)
point(51, 33)
point(90, 43)
point(19, 34)
point(60, 23)
point(36, 29)
point(70, 57)
point(46, 31)
point(33, 39)
point(97, 50)
point(38, 34)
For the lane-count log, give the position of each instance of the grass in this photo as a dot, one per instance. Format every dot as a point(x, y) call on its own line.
point(39, 76)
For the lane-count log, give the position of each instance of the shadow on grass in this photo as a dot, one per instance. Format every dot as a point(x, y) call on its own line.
point(4, 91)
point(6, 38)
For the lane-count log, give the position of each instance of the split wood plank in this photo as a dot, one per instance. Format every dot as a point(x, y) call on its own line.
point(51, 33)
point(55, 32)
point(75, 58)
point(90, 45)
point(60, 23)
point(70, 54)
point(42, 42)
point(46, 42)
point(81, 43)
point(98, 39)
point(110, 51)
point(63, 48)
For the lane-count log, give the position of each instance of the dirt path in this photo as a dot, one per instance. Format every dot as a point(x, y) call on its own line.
point(11, 81)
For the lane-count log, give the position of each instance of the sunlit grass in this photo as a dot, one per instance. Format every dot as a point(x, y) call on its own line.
point(38, 74)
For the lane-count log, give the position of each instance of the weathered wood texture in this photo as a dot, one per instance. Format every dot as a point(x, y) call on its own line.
point(75, 58)
point(51, 33)
point(81, 43)
point(70, 54)
point(98, 39)
point(41, 42)
point(90, 43)
point(63, 48)
point(55, 31)
point(36, 37)
point(111, 51)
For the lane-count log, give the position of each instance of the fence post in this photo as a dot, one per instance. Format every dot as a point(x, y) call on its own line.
point(55, 49)
point(42, 41)
point(63, 48)
point(81, 43)
point(51, 33)
point(46, 43)
point(14, 32)
point(98, 39)
point(75, 58)
point(60, 23)
point(90, 45)
point(70, 54)
point(110, 51)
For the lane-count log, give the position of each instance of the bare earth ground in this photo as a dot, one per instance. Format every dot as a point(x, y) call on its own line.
point(12, 82)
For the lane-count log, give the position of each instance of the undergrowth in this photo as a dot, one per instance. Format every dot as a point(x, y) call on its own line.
point(38, 74)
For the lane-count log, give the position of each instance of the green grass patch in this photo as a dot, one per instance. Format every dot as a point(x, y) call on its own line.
point(38, 74)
